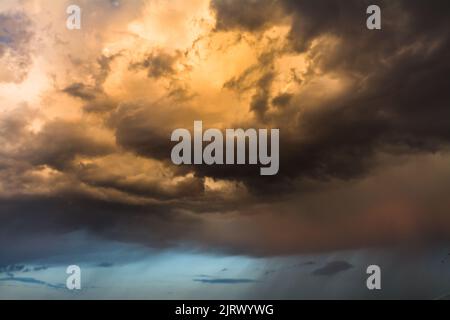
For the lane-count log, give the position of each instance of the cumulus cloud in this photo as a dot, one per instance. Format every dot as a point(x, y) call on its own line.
point(376, 99)
point(92, 150)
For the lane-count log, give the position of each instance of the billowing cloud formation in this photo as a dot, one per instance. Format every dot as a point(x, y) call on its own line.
point(363, 116)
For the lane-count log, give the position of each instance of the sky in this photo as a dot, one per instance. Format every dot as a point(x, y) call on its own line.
point(86, 176)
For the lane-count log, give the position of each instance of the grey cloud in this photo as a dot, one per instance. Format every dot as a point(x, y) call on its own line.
point(332, 268)
point(94, 97)
point(396, 103)
point(282, 99)
point(99, 105)
point(248, 15)
point(13, 124)
point(59, 142)
point(40, 268)
point(12, 268)
point(82, 91)
point(35, 218)
point(138, 128)
point(268, 272)
point(260, 100)
point(397, 87)
point(225, 280)
point(104, 68)
point(158, 64)
point(33, 281)
point(307, 263)
point(94, 176)
point(105, 264)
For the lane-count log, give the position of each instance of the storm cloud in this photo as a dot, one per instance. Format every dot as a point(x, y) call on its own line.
point(364, 123)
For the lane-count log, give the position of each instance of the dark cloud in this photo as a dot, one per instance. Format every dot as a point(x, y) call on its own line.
point(396, 86)
point(101, 104)
point(248, 15)
point(307, 263)
point(82, 91)
point(443, 297)
point(259, 75)
point(314, 19)
point(114, 3)
point(158, 64)
point(332, 268)
point(12, 268)
point(282, 99)
point(28, 222)
point(33, 281)
point(13, 124)
point(104, 68)
point(392, 98)
point(94, 96)
point(137, 128)
point(260, 100)
point(225, 280)
point(94, 176)
point(105, 264)
point(40, 268)
point(59, 142)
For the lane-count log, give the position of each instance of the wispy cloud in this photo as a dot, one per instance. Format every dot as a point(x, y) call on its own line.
point(332, 268)
point(225, 280)
point(105, 264)
point(33, 281)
